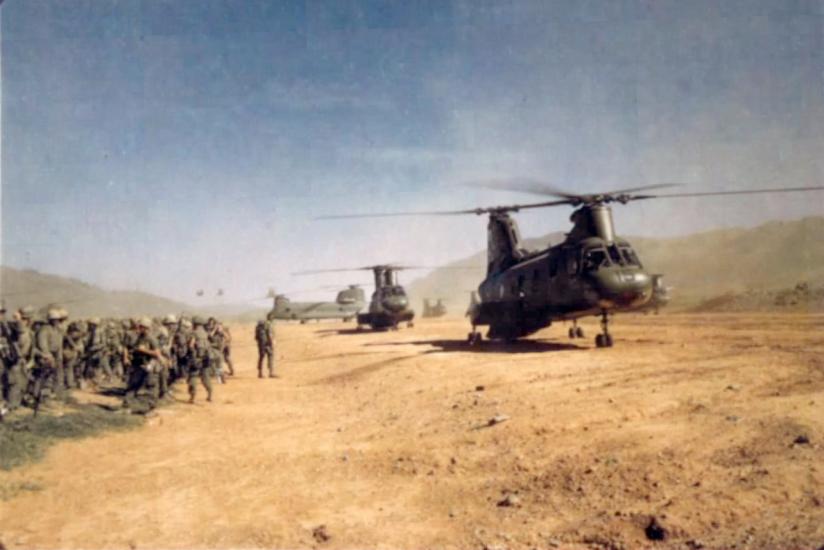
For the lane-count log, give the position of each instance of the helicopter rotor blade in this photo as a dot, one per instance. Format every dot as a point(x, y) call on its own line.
point(401, 214)
point(477, 211)
point(737, 192)
point(525, 185)
point(537, 187)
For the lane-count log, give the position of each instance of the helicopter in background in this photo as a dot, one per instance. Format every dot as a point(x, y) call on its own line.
point(347, 305)
point(592, 272)
point(438, 309)
point(661, 295)
point(389, 305)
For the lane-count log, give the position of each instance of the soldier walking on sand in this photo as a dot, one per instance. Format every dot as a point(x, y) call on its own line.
point(265, 337)
point(198, 360)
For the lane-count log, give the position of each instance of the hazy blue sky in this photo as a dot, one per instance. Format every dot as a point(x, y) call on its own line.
point(170, 145)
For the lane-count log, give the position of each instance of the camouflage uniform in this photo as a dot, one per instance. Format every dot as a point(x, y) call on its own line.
point(96, 360)
point(216, 348)
point(198, 360)
point(6, 359)
point(48, 356)
point(180, 349)
point(72, 355)
point(265, 337)
point(227, 348)
point(113, 349)
point(164, 345)
point(17, 371)
point(145, 365)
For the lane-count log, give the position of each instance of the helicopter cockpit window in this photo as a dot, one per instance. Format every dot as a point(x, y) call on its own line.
point(630, 257)
point(614, 255)
point(572, 261)
point(595, 258)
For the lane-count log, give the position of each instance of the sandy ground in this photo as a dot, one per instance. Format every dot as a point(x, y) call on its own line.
point(384, 439)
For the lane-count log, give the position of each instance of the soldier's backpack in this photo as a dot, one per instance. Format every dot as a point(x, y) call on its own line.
point(260, 332)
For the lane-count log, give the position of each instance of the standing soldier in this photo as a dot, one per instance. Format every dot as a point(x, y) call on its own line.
point(180, 347)
point(198, 359)
point(170, 325)
point(95, 350)
point(48, 357)
point(113, 341)
point(217, 343)
point(72, 354)
point(22, 343)
point(265, 336)
point(7, 357)
point(227, 348)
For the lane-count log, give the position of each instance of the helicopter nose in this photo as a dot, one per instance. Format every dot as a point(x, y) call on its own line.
point(623, 287)
point(395, 303)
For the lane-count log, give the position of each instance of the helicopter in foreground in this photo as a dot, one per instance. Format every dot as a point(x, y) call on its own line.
point(389, 305)
point(592, 272)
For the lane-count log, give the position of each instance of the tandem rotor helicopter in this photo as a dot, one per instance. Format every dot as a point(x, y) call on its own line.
point(592, 272)
point(389, 305)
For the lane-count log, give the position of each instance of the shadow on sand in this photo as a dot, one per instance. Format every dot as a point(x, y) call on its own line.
point(324, 333)
point(487, 346)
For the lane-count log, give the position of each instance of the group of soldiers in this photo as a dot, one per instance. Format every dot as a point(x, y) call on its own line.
point(42, 358)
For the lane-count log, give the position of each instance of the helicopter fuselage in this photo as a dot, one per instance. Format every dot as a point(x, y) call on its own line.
point(389, 307)
point(585, 275)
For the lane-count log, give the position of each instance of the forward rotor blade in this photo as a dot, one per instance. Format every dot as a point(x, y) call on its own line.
point(314, 271)
point(739, 192)
point(398, 214)
point(476, 211)
point(524, 185)
point(536, 187)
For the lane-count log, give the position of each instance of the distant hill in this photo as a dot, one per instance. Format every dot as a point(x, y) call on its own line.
point(20, 287)
point(773, 256)
point(801, 298)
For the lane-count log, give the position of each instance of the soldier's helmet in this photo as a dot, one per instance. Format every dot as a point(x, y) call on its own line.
point(170, 320)
point(26, 312)
point(144, 322)
point(198, 320)
point(94, 321)
point(186, 323)
point(64, 313)
point(163, 332)
point(54, 315)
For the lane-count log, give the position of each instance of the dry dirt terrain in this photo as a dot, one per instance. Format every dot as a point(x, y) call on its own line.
point(711, 424)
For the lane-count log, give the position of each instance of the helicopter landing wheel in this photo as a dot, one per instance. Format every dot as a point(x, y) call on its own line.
point(572, 332)
point(474, 338)
point(410, 324)
point(579, 332)
point(604, 340)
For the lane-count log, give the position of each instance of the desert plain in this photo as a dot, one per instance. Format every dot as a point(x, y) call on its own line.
point(694, 431)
